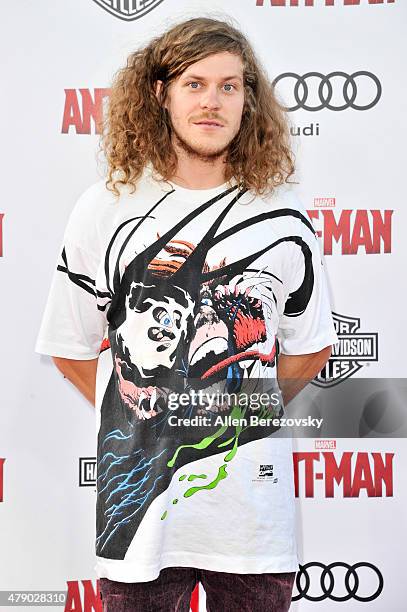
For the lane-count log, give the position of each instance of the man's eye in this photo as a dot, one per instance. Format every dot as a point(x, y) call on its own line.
point(194, 83)
point(229, 85)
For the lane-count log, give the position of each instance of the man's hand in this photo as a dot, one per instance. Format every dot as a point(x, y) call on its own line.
point(295, 371)
point(81, 373)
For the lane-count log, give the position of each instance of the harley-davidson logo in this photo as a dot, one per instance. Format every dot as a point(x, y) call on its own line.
point(128, 10)
point(353, 350)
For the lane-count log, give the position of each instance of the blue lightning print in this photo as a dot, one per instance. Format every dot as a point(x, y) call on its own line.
point(131, 488)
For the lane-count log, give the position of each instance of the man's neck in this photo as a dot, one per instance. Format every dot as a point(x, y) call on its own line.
point(195, 173)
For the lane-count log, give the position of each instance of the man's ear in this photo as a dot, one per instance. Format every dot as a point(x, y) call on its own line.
point(158, 90)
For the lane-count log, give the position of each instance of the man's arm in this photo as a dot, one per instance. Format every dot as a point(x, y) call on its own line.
point(81, 373)
point(295, 371)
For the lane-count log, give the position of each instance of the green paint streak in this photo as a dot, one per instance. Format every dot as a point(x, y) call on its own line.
point(227, 442)
point(233, 451)
point(193, 476)
point(164, 515)
point(182, 477)
point(221, 475)
point(175, 501)
point(204, 443)
point(237, 413)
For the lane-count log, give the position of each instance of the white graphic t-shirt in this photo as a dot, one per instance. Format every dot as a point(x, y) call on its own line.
point(187, 297)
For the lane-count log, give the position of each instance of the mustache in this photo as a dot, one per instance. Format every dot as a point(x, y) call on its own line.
point(209, 118)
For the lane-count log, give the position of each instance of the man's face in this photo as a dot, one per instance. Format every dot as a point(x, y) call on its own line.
point(210, 90)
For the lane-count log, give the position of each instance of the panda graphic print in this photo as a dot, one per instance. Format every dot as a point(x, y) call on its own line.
point(193, 294)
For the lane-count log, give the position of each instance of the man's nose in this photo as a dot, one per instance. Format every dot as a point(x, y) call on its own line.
point(210, 98)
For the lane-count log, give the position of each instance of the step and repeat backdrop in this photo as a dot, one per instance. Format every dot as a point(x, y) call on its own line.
point(338, 65)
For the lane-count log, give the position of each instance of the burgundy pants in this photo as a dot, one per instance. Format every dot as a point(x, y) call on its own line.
point(225, 592)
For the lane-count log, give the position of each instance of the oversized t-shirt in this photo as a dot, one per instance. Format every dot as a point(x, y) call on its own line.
point(188, 297)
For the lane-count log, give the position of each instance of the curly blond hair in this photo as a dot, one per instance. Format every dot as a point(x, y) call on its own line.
point(136, 130)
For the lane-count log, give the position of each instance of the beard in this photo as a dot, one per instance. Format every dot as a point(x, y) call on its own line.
point(199, 152)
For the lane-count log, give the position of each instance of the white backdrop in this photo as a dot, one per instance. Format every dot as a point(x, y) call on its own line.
point(55, 55)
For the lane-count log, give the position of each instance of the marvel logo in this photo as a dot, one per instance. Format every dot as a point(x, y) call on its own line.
point(324, 202)
point(325, 444)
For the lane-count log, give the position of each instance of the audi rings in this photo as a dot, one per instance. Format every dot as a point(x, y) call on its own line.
point(325, 90)
point(303, 582)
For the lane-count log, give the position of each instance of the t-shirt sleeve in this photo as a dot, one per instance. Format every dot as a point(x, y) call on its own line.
point(306, 324)
point(72, 326)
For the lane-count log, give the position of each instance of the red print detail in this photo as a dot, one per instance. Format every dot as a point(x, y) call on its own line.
point(265, 357)
point(248, 331)
point(105, 345)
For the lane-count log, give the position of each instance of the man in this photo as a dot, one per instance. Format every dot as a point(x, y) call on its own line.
point(194, 269)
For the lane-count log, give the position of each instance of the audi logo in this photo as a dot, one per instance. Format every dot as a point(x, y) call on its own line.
point(328, 581)
point(322, 98)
